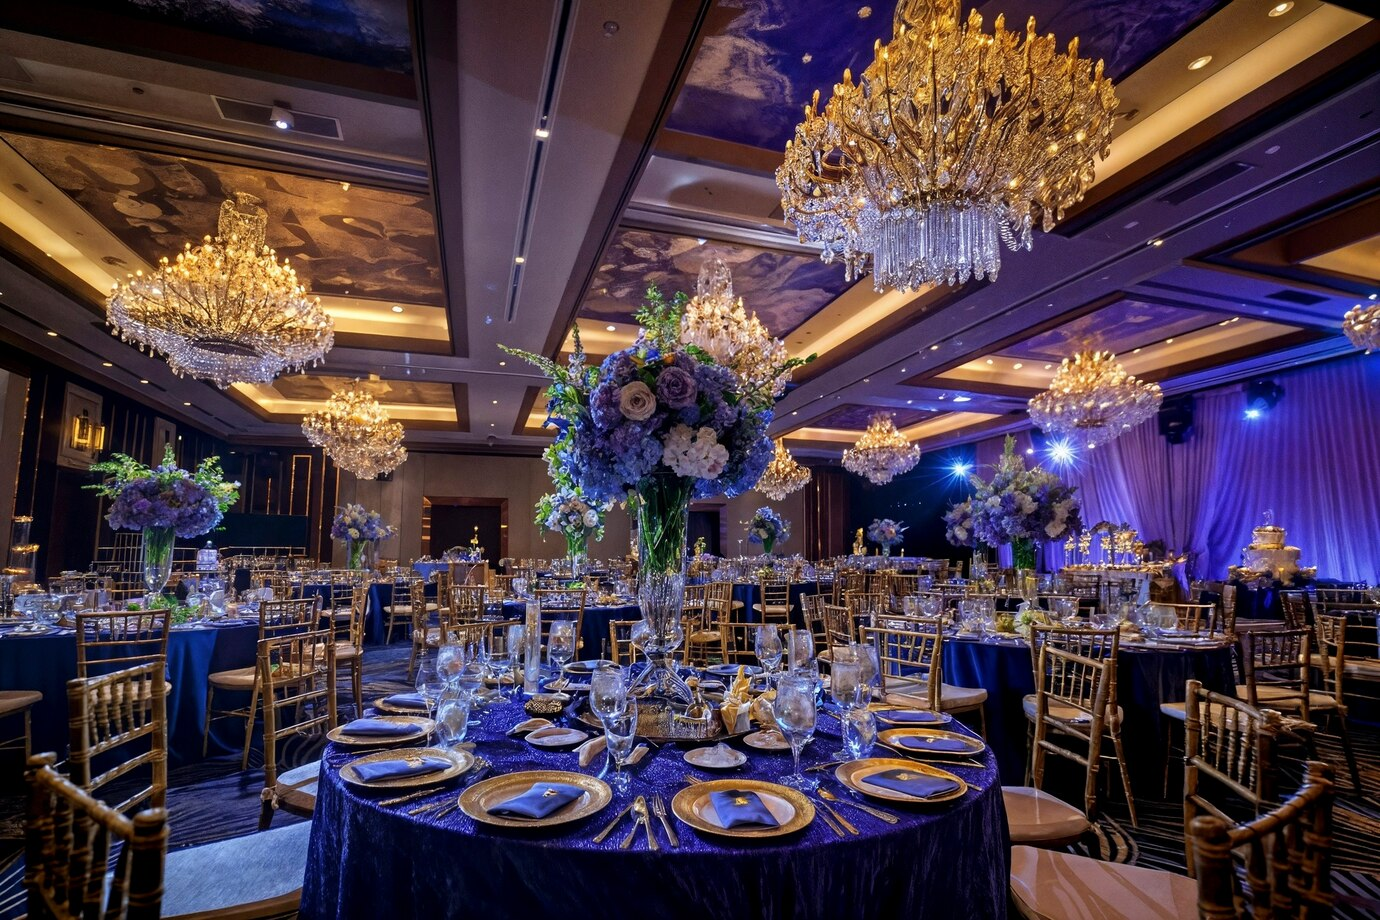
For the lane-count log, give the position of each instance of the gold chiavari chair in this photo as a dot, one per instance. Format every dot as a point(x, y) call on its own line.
point(775, 606)
point(910, 662)
point(1275, 664)
point(69, 838)
point(560, 604)
point(812, 606)
point(1193, 618)
point(1294, 605)
point(1330, 630)
point(297, 673)
point(467, 603)
point(1234, 745)
point(493, 633)
point(839, 628)
point(399, 609)
point(503, 585)
point(717, 608)
point(1076, 698)
point(621, 648)
point(109, 642)
point(349, 644)
point(444, 581)
point(901, 587)
point(848, 580)
point(1226, 622)
point(275, 618)
point(1287, 854)
point(125, 711)
point(740, 638)
point(19, 703)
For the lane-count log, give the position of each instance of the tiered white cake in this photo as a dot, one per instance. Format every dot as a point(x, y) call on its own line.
point(1267, 553)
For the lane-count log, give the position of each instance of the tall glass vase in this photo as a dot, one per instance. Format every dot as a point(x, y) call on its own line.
point(158, 558)
point(663, 513)
point(768, 544)
point(1023, 555)
point(354, 550)
point(576, 551)
point(886, 549)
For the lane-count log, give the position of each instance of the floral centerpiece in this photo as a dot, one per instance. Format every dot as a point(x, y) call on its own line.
point(568, 513)
point(359, 528)
point(1018, 506)
point(768, 528)
point(164, 502)
point(886, 533)
point(668, 419)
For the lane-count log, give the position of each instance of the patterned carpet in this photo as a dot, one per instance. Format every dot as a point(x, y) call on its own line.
point(213, 800)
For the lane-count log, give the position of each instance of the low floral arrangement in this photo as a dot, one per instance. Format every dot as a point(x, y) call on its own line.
point(1028, 617)
point(1017, 505)
point(885, 532)
point(768, 528)
point(165, 496)
point(359, 528)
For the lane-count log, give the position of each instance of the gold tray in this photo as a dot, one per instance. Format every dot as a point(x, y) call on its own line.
point(891, 736)
point(423, 728)
point(852, 774)
point(460, 762)
point(382, 705)
point(691, 802)
point(477, 799)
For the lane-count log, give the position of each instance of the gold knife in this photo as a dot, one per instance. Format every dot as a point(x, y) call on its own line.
point(602, 835)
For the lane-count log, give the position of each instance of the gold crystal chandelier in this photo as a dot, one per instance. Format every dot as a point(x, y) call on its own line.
point(783, 475)
point(717, 322)
point(225, 311)
point(1362, 326)
point(355, 432)
point(951, 143)
point(882, 452)
point(1092, 400)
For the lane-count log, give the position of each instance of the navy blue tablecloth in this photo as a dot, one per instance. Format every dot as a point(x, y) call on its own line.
point(46, 663)
point(1146, 677)
point(749, 593)
point(369, 861)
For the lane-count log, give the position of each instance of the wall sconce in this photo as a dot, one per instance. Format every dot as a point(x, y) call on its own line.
point(87, 436)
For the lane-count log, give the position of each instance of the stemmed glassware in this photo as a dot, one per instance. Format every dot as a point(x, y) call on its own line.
point(453, 716)
point(768, 648)
point(795, 714)
point(429, 685)
point(620, 730)
point(844, 678)
point(608, 691)
point(800, 649)
point(513, 640)
point(560, 643)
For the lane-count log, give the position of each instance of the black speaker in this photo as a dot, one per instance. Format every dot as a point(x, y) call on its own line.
point(1176, 419)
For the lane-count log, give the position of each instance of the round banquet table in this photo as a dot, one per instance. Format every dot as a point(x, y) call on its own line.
point(47, 662)
point(749, 593)
point(1147, 675)
point(594, 628)
point(366, 860)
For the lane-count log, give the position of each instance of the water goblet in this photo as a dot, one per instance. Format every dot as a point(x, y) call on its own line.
point(844, 678)
point(795, 714)
point(869, 672)
point(428, 684)
point(608, 691)
point(859, 733)
point(768, 648)
point(620, 731)
point(560, 643)
point(450, 658)
point(800, 649)
point(452, 717)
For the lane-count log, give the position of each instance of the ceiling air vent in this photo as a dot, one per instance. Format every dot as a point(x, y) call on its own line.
point(255, 113)
point(1208, 180)
point(1301, 298)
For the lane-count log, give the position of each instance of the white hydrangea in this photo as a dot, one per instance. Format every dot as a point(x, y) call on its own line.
point(694, 454)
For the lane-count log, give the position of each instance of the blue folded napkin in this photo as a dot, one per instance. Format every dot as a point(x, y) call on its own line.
point(377, 727)
point(738, 808)
point(406, 700)
point(539, 801)
point(909, 715)
point(911, 782)
point(932, 743)
point(400, 769)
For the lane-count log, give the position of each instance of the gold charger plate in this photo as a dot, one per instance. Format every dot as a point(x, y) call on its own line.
point(791, 808)
point(382, 705)
point(479, 798)
point(460, 762)
point(423, 728)
point(852, 774)
point(891, 738)
point(938, 718)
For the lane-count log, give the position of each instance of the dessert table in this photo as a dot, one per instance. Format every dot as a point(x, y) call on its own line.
point(48, 661)
point(371, 860)
point(1147, 675)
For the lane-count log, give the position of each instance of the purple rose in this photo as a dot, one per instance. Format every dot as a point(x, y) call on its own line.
point(676, 389)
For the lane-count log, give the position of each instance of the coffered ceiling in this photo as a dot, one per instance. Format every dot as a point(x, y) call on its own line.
point(463, 175)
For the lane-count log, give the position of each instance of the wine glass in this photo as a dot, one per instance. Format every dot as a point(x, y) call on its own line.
point(869, 671)
point(452, 717)
point(768, 648)
point(800, 648)
point(428, 684)
point(620, 731)
point(513, 640)
point(560, 643)
point(795, 715)
point(844, 678)
point(450, 658)
point(472, 671)
point(608, 691)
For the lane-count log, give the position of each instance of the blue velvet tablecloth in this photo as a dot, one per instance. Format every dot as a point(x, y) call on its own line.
point(46, 663)
point(749, 593)
point(369, 861)
point(428, 569)
point(1146, 677)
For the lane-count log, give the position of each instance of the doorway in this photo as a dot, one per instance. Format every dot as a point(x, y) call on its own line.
point(453, 521)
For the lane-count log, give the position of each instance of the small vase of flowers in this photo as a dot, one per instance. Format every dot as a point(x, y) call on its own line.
point(886, 533)
point(359, 528)
point(569, 513)
point(768, 528)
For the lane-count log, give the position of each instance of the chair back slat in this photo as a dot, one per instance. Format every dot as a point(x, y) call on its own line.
point(108, 642)
point(1231, 743)
point(126, 712)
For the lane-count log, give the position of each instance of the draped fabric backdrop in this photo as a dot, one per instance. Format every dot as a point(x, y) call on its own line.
point(1314, 460)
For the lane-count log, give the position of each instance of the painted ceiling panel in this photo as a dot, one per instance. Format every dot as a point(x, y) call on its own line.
point(362, 242)
point(855, 417)
point(749, 82)
point(1119, 327)
point(310, 387)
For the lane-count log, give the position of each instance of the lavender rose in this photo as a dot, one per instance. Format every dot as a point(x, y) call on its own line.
point(676, 389)
point(636, 401)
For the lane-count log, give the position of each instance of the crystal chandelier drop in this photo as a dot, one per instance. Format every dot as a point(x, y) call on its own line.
point(881, 453)
point(718, 323)
point(1093, 400)
point(1362, 326)
point(952, 142)
point(355, 432)
point(225, 311)
point(783, 475)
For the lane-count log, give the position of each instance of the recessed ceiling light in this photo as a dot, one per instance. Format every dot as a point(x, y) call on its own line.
point(344, 186)
point(909, 401)
point(963, 399)
point(492, 425)
point(903, 370)
point(1169, 341)
point(1049, 367)
point(867, 380)
point(280, 118)
point(106, 364)
point(989, 360)
point(1135, 351)
point(700, 240)
point(143, 381)
point(942, 396)
point(52, 333)
point(1200, 63)
point(503, 364)
point(795, 413)
point(611, 327)
point(543, 133)
point(397, 309)
point(1156, 242)
point(1017, 366)
point(519, 260)
point(495, 402)
point(186, 404)
point(1030, 450)
point(1237, 319)
point(1279, 9)
point(934, 348)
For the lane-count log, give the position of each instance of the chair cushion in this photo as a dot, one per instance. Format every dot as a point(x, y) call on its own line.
point(12, 701)
point(1362, 668)
point(1064, 712)
point(345, 651)
point(238, 679)
point(1035, 816)
point(1178, 711)
point(296, 789)
point(1050, 885)
point(951, 697)
point(260, 869)
point(1286, 697)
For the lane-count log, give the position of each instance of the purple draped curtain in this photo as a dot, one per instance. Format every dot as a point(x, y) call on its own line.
point(1313, 460)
